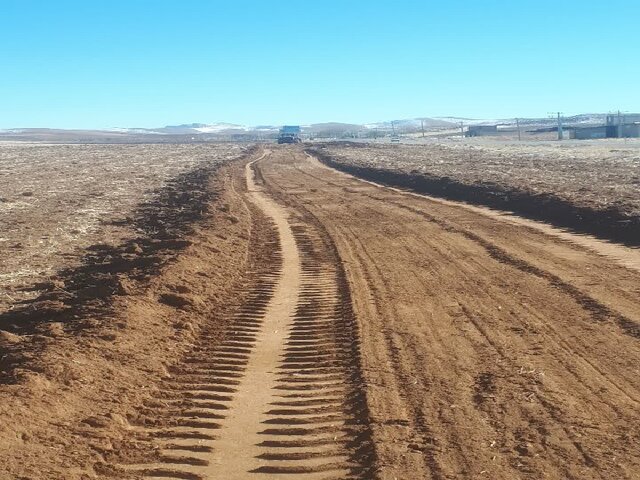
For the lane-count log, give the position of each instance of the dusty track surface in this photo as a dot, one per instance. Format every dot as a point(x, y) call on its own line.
point(279, 393)
point(489, 349)
point(588, 187)
point(318, 326)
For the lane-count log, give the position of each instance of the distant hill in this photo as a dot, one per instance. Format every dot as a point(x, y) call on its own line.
point(412, 125)
point(195, 132)
point(332, 129)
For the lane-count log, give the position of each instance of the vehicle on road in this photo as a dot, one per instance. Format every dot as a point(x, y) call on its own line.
point(289, 134)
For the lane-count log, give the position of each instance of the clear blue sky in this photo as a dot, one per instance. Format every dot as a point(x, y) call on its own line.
point(94, 64)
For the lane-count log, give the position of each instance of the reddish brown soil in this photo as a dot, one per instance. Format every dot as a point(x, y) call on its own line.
point(488, 349)
point(318, 326)
point(78, 359)
point(591, 188)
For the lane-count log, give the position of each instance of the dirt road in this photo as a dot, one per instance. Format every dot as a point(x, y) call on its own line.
point(281, 393)
point(330, 328)
point(488, 349)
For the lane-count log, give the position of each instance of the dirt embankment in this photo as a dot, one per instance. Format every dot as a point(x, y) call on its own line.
point(76, 360)
point(590, 191)
point(57, 200)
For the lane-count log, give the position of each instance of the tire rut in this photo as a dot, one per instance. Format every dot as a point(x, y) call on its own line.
point(281, 393)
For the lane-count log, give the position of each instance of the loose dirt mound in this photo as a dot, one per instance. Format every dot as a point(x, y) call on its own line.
point(55, 201)
point(592, 189)
point(77, 359)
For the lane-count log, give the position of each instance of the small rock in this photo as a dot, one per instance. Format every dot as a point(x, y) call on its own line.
point(182, 289)
point(175, 300)
point(96, 422)
point(118, 419)
point(134, 248)
point(54, 329)
point(185, 326)
point(109, 337)
point(124, 286)
point(10, 338)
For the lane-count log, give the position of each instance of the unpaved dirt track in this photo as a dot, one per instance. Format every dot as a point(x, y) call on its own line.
point(280, 394)
point(384, 335)
point(488, 349)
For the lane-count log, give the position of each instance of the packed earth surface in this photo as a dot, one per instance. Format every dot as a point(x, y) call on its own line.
point(225, 312)
point(591, 187)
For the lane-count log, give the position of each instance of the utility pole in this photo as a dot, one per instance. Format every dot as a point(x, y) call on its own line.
point(560, 136)
point(462, 129)
point(422, 125)
point(518, 126)
point(619, 126)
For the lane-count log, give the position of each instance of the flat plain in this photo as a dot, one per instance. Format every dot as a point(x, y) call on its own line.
point(235, 311)
point(584, 184)
point(56, 200)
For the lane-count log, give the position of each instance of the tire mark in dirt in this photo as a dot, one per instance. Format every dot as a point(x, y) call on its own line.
point(599, 311)
point(484, 381)
point(182, 422)
point(281, 394)
point(417, 436)
point(427, 444)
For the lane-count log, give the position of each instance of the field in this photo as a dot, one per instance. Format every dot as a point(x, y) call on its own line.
point(588, 186)
point(95, 244)
point(57, 200)
point(223, 311)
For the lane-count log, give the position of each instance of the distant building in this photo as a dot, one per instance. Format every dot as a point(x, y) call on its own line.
point(611, 130)
point(481, 130)
point(614, 119)
point(630, 130)
point(623, 125)
point(589, 133)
